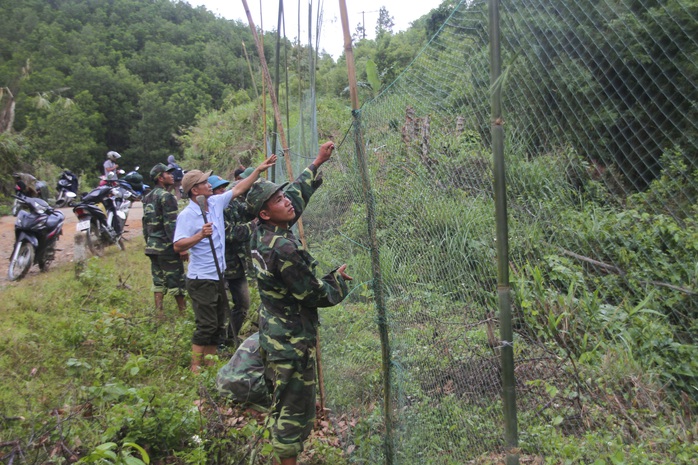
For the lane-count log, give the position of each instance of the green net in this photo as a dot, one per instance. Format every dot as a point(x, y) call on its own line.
point(600, 117)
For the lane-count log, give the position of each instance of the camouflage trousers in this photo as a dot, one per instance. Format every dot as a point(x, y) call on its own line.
point(293, 404)
point(168, 274)
point(240, 292)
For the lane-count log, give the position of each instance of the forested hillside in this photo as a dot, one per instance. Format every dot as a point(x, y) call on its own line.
point(79, 77)
point(124, 75)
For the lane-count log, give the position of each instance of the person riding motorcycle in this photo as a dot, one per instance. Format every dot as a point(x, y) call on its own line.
point(110, 165)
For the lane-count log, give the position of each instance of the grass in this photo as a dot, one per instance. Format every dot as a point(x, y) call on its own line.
point(86, 364)
point(88, 370)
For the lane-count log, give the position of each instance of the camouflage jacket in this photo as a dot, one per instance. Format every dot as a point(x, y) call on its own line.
point(289, 290)
point(159, 221)
point(238, 231)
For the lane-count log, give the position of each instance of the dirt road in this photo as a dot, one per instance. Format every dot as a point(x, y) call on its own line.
point(64, 254)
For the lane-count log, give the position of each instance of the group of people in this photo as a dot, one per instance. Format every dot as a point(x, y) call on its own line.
point(213, 233)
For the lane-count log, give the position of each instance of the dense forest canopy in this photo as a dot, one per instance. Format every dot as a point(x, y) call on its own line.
point(78, 78)
point(85, 77)
point(122, 75)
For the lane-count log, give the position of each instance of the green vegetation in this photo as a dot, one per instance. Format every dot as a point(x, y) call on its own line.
point(602, 184)
point(90, 373)
point(133, 76)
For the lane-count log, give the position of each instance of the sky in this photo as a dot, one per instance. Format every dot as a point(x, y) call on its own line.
point(403, 13)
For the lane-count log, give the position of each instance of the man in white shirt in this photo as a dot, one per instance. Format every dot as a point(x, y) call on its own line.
point(192, 234)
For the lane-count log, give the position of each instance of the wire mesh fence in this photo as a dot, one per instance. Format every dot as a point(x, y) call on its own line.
point(600, 117)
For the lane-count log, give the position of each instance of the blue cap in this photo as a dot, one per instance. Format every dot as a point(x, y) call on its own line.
point(217, 181)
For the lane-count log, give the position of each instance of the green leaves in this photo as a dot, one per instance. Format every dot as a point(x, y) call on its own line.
point(65, 131)
point(372, 76)
point(111, 453)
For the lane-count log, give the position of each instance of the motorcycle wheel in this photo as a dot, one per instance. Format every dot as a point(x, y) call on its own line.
point(94, 241)
point(22, 260)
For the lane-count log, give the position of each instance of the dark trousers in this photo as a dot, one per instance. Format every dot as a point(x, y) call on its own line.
point(209, 311)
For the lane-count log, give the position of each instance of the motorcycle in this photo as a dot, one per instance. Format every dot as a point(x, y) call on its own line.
point(103, 227)
point(67, 189)
point(37, 229)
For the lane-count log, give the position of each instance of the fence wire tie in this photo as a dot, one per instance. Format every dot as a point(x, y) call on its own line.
point(505, 344)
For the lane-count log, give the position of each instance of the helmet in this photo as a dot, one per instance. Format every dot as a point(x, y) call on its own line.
point(113, 156)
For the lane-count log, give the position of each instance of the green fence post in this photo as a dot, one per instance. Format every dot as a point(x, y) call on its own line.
point(503, 288)
point(388, 440)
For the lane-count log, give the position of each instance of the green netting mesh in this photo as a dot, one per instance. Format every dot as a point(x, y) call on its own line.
point(599, 103)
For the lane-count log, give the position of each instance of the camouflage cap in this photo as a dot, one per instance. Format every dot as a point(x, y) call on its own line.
point(192, 178)
point(246, 173)
point(158, 169)
point(260, 192)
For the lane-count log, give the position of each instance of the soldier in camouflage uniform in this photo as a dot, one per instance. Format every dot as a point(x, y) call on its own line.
point(159, 219)
point(238, 230)
point(290, 294)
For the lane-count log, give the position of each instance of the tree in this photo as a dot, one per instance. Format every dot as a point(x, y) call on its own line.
point(65, 131)
point(385, 22)
point(359, 33)
point(150, 137)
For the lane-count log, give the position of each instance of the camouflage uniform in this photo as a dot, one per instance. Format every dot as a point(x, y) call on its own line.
point(242, 378)
point(290, 294)
point(159, 219)
point(238, 231)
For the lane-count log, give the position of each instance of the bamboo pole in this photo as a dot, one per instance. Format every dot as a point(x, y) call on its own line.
point(277, 63)
point(301, 111)
point(503, 288)
point(375, 256)
point(249, 67)
point(286, 88)
point(275, 104)
point(259, 42)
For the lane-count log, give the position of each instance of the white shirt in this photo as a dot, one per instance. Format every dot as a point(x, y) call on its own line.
point(190, 221)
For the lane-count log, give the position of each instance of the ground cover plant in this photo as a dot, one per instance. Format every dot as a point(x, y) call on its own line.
point(90, 374)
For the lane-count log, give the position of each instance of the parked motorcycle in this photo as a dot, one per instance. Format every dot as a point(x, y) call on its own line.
point(67, 189)
point(37, 229)
point(103, 227)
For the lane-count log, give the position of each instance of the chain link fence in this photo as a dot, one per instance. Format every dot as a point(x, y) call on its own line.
point(600, 116)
